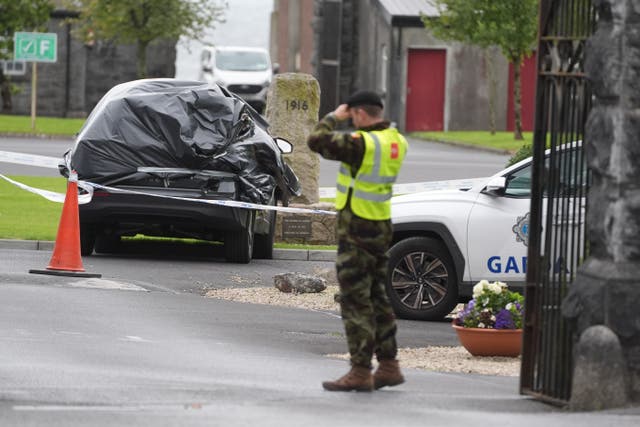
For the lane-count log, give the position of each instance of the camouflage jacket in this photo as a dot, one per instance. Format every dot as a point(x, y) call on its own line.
point(347, 147)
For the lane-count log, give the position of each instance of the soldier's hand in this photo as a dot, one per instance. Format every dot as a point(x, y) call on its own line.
point(341, 112)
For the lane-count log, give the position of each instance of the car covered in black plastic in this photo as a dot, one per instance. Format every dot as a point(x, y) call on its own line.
point(150, 144)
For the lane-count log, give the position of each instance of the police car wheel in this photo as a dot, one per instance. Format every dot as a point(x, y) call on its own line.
point(422, 282)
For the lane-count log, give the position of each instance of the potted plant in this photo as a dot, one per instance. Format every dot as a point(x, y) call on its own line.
point(491, 323)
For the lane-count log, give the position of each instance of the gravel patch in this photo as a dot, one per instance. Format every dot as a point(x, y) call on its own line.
point(271, 296)
point(434, 358)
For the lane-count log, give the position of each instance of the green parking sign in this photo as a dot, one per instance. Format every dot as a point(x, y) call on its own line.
point(35, 47)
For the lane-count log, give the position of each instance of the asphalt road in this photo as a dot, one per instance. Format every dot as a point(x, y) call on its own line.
point(113, 352)
point(425, 161)
point(141, 346)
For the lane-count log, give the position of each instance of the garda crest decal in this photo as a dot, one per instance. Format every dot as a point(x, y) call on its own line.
point(521, 229)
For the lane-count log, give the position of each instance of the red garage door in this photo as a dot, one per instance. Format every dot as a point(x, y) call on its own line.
point(425, 89)
point(528, 76)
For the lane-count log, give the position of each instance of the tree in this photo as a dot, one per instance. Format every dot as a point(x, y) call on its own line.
point(18, 15)
point(510, 25)
point(144, 21)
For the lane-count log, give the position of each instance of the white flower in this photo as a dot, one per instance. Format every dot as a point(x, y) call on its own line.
point(481, 325)
point(495, 287)
point(493, 318)
point(502, 285)
point(508, 306)
point(479, 287)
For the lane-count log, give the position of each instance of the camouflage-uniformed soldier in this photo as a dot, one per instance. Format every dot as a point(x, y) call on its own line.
point(370, 160)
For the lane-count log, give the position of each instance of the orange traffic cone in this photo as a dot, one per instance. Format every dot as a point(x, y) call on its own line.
point(66, 260)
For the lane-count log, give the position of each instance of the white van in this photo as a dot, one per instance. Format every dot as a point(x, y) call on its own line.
point(245, 71)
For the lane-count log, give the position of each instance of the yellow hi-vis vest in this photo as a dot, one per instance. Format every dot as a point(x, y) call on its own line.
point(372, 186)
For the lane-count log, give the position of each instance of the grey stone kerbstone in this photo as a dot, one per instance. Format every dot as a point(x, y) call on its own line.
point(291, 254)
point(322, 256)
point(599, 377)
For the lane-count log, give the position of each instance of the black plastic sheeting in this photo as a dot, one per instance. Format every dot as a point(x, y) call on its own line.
point(168, 123)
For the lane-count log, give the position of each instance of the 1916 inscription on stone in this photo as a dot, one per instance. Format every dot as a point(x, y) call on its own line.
point(296, 226)
point(296, 104)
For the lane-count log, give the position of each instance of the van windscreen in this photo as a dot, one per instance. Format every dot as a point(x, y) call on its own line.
point(241, 61)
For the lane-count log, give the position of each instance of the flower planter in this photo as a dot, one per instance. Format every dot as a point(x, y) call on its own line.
point(490, 342)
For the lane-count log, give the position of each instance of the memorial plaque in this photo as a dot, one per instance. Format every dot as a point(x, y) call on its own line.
point(296, 226)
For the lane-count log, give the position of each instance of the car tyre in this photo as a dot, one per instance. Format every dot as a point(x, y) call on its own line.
point(238, 246)
point(422, 282)
point(263, 243)
point(87, 239)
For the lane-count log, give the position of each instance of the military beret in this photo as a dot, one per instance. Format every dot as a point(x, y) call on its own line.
point(364, 97)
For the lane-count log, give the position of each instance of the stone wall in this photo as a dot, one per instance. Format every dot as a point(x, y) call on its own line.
point(109, 64)
point(73, 85)
point(606, 291)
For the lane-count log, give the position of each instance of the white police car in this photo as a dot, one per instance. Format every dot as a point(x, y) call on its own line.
point(445, 241)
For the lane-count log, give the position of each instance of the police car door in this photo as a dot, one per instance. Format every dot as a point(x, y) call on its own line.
point(498, 229)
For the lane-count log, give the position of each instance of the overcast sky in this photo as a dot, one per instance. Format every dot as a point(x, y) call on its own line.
point(247, 24)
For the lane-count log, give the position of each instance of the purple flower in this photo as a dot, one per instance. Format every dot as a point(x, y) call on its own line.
point(466, 311)
point(504, 320)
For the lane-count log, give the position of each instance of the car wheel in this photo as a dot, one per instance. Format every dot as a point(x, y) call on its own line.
point(238, 246)
point(107, 243)
point(87, 239)
point(422, 282)
point(263, 243)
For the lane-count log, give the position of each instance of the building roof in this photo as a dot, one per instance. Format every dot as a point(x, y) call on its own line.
point(406, 13)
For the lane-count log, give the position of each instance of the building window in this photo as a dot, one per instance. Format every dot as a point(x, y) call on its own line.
point(384, 69)
point(13, 68)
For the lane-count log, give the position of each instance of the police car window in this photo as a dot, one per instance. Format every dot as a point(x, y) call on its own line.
point(519, 183)
point(569, 175)
point(564, 182)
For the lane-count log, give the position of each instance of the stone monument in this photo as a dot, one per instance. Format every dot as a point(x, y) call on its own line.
point(292, 108)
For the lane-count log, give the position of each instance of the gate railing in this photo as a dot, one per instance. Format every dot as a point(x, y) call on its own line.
point(557, 242)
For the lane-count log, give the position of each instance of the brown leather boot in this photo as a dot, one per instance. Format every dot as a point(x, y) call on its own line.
point(358, 378)
point(387, 374)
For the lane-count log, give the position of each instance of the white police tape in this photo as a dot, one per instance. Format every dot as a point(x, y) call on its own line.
point(415, 187)
point(228, 203)
point(29, 159)
point(52, 162)
point(52, 195)
point(90, 186)
point(324, 192)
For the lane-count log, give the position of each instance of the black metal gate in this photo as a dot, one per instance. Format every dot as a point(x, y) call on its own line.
point(557, 242)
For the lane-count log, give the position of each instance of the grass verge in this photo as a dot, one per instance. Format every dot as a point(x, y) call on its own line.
point(27, 216)
point(54, 126)
point(499, 141)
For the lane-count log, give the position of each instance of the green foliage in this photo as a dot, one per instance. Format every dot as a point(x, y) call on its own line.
point(144, 21)
point(27, 216)
point(21, 15)
point(510, 25)
point(524, 152)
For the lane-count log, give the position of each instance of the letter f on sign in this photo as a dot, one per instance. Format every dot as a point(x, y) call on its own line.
point(45, 45)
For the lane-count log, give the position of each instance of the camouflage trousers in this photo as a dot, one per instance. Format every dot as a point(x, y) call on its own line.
point(361, 266)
